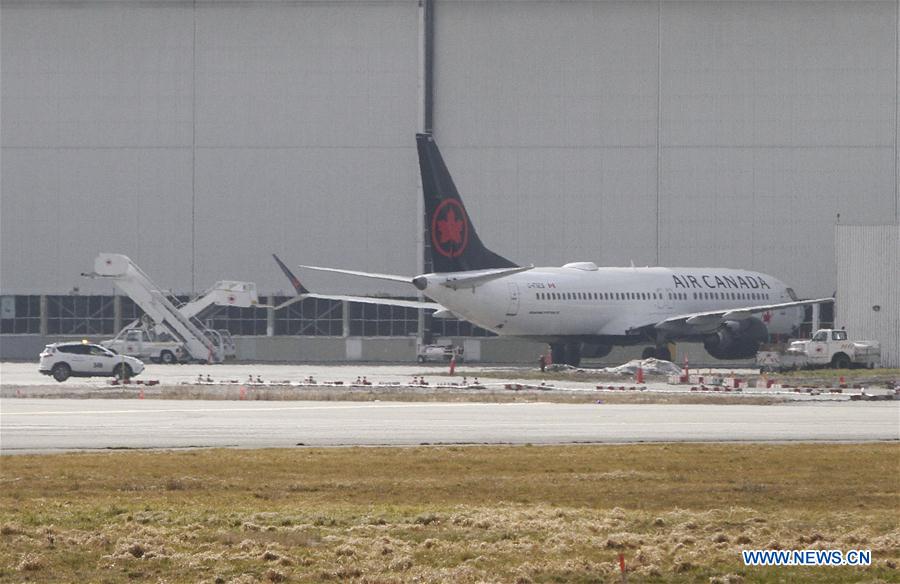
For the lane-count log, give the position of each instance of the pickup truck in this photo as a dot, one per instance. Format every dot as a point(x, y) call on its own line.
point(137, 342)
point(439, 353)
point(827, 348)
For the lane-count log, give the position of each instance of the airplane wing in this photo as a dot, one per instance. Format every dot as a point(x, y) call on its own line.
point(477, 278)
point(298, 287)
point(710, 320)
point(364, 300)
point(303, 292)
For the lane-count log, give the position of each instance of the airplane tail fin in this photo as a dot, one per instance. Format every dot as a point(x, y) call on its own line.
point(455, 246)
point(298, 287)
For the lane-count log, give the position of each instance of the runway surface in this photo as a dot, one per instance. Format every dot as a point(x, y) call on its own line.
point(47, 425)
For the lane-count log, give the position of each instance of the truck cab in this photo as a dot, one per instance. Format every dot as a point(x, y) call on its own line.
point(138, 342)
point(833, 347)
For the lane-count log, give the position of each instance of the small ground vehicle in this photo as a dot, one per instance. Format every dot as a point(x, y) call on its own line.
point(140, 343)
point(64, 360)
point(439, 353)
point(827, 348)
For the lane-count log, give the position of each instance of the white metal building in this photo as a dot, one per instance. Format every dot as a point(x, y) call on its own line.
point(868, 285)
point(197, 137)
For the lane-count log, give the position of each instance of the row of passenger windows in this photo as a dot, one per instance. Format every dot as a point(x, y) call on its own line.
point(651, 296)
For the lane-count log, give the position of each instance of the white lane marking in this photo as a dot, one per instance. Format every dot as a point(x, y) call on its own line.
point(254, 409)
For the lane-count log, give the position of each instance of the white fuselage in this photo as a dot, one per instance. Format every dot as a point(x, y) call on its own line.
point(583, 300)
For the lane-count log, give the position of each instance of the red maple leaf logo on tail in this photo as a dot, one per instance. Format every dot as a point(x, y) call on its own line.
point(449, 229)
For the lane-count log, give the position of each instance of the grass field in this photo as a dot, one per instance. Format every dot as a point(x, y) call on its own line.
point(679, 513)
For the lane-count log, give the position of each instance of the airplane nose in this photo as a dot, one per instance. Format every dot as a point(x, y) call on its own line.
point(420, 282)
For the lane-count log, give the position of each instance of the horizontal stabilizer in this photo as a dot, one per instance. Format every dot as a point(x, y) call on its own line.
point(477, 278)
point(364, 300)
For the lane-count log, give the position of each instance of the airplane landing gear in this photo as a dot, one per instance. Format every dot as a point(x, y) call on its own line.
point(662, 353)
point(566, 353)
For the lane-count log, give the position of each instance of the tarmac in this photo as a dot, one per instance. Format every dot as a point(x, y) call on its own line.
point(57, 425)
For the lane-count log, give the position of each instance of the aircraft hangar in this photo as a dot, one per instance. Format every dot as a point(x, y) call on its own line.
point(198, 137)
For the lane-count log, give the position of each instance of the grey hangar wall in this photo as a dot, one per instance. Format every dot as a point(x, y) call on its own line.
point(199, 137)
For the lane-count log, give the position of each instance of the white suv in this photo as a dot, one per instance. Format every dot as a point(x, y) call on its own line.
point(64, 360)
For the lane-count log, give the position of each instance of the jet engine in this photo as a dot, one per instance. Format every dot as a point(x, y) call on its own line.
point(737, 339)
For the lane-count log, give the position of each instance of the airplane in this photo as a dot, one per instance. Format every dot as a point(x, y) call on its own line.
point(580, 309)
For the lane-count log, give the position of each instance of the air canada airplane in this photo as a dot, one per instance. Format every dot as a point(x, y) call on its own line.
point(580, 308)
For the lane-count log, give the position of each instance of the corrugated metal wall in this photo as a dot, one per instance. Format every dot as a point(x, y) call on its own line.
point(771, 118)
point(868, 276)
point(199, 137)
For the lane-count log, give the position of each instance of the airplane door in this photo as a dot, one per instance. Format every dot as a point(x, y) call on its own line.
point(660, 298)
point(513, 308)
point(667, 301)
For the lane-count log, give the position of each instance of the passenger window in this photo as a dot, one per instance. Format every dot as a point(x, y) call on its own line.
point(839, 335)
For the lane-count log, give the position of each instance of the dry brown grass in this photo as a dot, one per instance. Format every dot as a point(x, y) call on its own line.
point(452, 514)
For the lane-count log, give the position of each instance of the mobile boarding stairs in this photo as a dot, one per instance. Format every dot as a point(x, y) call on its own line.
point(168, 314)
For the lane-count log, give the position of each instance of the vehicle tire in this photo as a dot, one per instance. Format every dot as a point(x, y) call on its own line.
point(61, 372)
point(123, 371)
point(558, 354)
point(167, 358)
point(573, 354)
point(648, 353)
point(840, 361)
point(420, 358)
